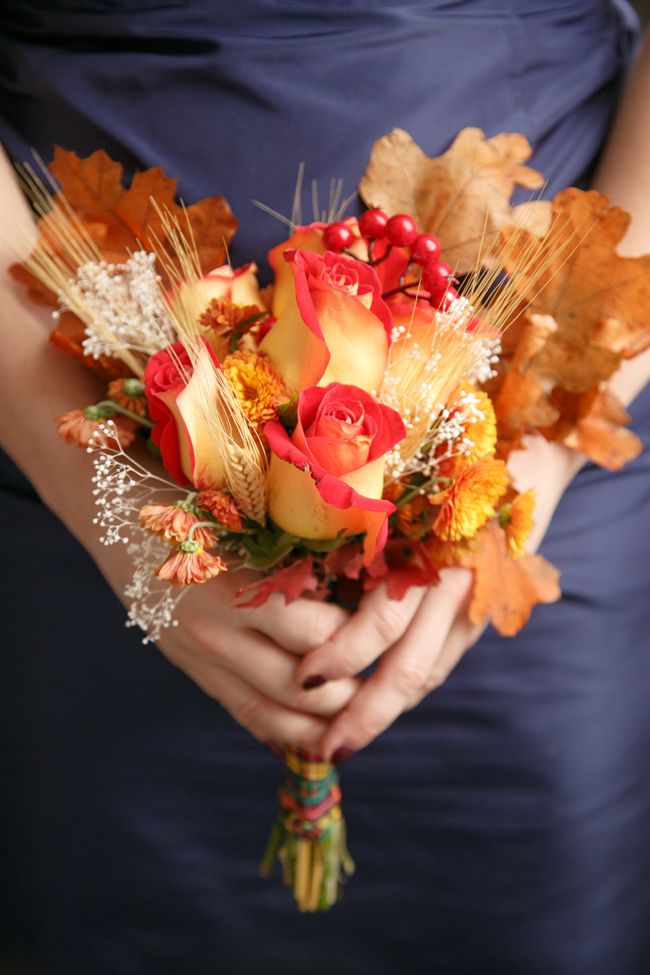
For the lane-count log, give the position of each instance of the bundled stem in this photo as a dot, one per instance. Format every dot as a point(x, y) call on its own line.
point(308, 836)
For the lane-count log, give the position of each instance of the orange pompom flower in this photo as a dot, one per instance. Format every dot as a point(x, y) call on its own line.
point(173, 523)
point(257, 385)
point(190, 564)
point(517, 520)
point(128, 393)
point(222, 507)
point(469, 500)
point(79, 427)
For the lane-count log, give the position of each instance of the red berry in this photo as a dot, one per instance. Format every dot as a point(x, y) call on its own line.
point(425, 249)
point(401, 230)
point(436, 276)
point(372, 224)
point(337, 236)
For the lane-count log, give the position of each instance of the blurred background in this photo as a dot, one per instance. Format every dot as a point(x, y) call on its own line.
point(643, 7)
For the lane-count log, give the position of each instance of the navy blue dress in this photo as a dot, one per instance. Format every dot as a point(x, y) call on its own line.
point(501, 828)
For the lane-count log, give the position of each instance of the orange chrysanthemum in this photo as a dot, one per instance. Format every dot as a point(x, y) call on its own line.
point(78, 428)
point(517, 520)
point(173, 523)
point(128, 393)
point(222, 317)
point(469, 500)
point(222, 508)
point(189, 565)
point(257, 385)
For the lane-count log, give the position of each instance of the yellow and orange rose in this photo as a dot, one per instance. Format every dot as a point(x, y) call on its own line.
point(327, 476)
point(334, 326)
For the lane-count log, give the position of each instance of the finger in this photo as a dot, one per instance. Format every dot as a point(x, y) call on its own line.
point(378, 623)
point(272, 671)
point(299, 627)
point(267, 720)
point(408, 671)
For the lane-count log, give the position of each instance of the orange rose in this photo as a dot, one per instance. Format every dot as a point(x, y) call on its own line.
point(180, 430)
point(328, 476)
point(335, 327)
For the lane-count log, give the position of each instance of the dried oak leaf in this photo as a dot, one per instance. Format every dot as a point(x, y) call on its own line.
point(595, 296)
point(589, 307)
point(505, 588)
point(594, 423)
point(462, 196)
point(120, 220)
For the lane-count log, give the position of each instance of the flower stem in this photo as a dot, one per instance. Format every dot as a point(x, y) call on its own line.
point(113, 407)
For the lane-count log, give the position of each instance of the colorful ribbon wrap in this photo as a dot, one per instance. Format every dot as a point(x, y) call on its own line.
point(308, 836)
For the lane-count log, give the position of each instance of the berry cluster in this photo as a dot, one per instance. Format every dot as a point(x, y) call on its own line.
point(434, 276)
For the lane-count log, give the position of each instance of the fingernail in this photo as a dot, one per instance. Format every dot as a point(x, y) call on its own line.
point(342, 754)
point(277, 750)
point(316, 680)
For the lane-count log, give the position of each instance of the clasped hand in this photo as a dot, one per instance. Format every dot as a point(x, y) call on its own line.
point(291, 674)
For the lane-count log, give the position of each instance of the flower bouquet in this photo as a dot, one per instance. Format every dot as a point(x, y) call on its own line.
point(349, 426)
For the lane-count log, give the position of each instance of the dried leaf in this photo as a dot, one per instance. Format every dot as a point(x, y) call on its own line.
point(589, 308)
point(506, 589)
point(598, 299)
point(121, 220)
point(594, 423)
point(462, 196)
point(294, 581)
point(69, 335)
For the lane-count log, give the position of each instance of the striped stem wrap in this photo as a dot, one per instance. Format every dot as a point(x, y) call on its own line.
point(308, 836)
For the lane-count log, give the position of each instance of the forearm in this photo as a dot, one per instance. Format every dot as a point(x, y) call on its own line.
point(38, 383)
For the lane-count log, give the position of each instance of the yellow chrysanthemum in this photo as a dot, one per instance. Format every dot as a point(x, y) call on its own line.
point(257, 385)
point(517, 520)
point(469, 500)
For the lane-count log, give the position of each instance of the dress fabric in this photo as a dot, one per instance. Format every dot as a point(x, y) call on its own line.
point(502, 827)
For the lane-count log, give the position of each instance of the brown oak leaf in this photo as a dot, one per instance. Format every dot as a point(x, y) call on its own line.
point(589, 308)
point(598, 299)
point(505, 588)
point(462, 196)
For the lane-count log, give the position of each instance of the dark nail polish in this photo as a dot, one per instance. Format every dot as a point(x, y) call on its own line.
point(342, 754)
point(317, 680)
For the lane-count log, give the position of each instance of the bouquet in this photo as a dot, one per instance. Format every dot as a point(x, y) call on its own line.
point(349, 426)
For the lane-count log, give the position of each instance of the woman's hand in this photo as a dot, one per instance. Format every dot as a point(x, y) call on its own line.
point(247, 660)
point(419, 639)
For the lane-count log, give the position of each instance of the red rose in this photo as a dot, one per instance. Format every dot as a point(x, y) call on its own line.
point(167, 372)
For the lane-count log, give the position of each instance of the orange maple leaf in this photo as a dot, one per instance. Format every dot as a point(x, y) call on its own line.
point(505, 588)
point(462, 196)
